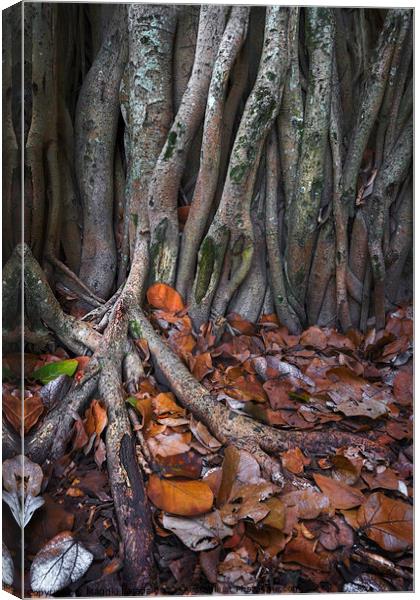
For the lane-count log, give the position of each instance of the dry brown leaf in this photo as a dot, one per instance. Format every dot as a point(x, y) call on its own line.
point(96, 418)
point(179, 497)
point(340, 494)
point(170, 444)
point(302, 551)
point(294, 460)
point(387, 522)
point(314, 337)
point(309, 503)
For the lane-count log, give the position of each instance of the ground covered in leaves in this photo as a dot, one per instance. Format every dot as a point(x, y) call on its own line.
point(219, 525)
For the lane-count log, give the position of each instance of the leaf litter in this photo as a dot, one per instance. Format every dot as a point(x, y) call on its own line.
point(212, 507)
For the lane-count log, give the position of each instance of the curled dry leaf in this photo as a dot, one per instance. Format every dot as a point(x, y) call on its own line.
point(7, 572)
point(387, 522)
point(96, 418)
point(60, 562)
point(13, 468)
point(202, 533)
point(238, 465)
point(179, 497)
point(204, 436)
point(162, 296)
point(340, 494)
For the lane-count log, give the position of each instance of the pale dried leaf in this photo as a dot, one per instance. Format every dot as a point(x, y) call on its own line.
point(20, 468)
point(22, 514)
point(61, 561)
point(203, 533)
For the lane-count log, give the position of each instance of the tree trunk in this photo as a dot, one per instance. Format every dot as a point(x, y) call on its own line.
point(298, 149)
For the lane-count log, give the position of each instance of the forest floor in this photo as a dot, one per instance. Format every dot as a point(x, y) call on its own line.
point(343, 520)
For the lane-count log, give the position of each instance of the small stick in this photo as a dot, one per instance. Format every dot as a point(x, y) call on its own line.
point(144, 456)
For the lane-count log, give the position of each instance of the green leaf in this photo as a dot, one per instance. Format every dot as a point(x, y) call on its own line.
point(53, 370)
point(132, 400)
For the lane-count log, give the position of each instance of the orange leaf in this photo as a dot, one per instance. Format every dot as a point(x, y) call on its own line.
point(164, 404)
point(160, 295)
point(180, 497)
point(96, 418)
point(340, 494)
point(294, 460)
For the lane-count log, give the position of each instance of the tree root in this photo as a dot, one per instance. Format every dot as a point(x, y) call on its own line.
point(111, 351)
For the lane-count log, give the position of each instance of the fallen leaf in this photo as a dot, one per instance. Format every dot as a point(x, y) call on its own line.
point(60, 562)
point(202, 533)
point(32, 410)
point(179, 497)
point(387, 522)
point(403, 388)
point(162, 296)
point(309, 503)
point(277, 516)
point(294, 460)
point(314, 337)
point(21, 469)
point(340, 494)
point(53, 370)
point(302, 551)
point(95, 418)
point(171, 444)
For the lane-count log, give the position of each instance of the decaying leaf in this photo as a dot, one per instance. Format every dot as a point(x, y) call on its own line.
point(179, 497)
point(202, 533)
point(62, 561)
